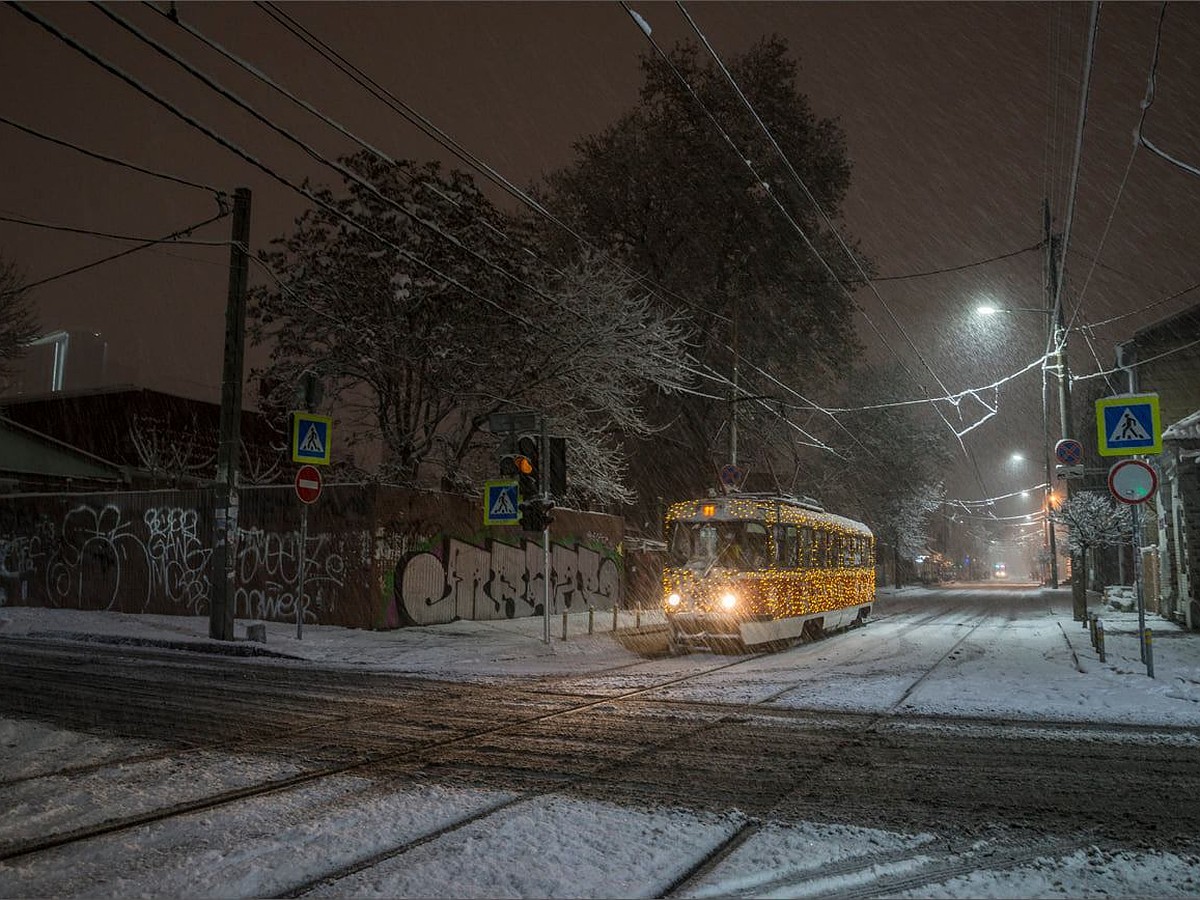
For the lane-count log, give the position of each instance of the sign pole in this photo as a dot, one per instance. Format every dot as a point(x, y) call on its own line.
point(544, 453)
point(300, 585)
point(1137, 579)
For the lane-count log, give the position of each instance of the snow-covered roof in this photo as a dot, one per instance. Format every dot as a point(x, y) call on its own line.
point(1186, 429)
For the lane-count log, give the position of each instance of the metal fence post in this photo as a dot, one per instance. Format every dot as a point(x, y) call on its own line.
point(614, 617)
point(591, 619)
point(1148, 643)
point(565, 625)
point(1100, 639)
point(1092, 619)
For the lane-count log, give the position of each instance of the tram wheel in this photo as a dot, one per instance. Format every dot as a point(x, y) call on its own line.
point(814, 629)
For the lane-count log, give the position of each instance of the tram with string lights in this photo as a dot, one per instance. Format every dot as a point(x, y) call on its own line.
point(760, 571)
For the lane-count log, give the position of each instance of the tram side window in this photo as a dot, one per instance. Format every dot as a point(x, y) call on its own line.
point(855, 557)
point(839, 552)
point(820, 549)
point(805, 549)
point(787, 546)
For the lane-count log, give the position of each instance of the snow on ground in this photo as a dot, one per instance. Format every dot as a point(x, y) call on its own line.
point(1038, 667)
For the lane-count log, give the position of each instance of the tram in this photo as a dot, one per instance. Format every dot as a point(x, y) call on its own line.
point(759, 571)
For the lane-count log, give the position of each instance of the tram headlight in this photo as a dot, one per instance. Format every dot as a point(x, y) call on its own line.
point(729, 600)
point(674, 599)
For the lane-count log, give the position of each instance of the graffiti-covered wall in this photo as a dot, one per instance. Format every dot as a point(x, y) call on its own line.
point(374, 557)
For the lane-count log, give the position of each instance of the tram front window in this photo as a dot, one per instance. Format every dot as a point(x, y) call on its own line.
point(733, 545)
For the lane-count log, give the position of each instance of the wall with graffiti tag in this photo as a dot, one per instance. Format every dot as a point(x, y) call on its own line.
point(374, 556)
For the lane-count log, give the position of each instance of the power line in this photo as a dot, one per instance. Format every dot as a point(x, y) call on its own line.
point(222, 197)
point(173, 237)
point(825, 218)
point(108, 235)
point(440, 136)
point(258, 164)
point(971, 265)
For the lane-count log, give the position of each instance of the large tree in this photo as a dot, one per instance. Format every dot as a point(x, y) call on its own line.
point(424, 310)
point(18, 323)
point(663, 191)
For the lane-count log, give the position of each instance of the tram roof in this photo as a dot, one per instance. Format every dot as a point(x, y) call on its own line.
point(761, 506)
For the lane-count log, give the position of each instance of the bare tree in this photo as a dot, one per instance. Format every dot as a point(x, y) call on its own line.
point(18, 324)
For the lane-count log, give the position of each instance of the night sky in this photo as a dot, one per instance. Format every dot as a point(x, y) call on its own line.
point(960, 118)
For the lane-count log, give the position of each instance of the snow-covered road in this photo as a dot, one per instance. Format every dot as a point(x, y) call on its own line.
point(966, 743)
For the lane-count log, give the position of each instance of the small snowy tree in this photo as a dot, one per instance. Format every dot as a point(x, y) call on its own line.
point(1093, 520)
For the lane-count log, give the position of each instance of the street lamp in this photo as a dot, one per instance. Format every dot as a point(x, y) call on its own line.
point(988, 310)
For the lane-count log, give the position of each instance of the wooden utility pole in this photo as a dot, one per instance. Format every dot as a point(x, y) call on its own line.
point(1054, 289)
point(225, 499)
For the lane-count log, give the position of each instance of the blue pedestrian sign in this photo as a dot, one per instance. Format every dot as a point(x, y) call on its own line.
point(311, 438)
point(500, 503)
point(1128, 425)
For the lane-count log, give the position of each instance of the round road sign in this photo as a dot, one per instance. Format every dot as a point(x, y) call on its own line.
point(1132, 481)
point(731, 475)
point(1068, 451)
point(308, 484)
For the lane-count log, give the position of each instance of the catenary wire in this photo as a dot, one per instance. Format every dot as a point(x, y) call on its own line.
point(258, 164)
point(222, 196)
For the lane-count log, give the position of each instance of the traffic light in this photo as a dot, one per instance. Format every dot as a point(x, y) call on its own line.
point(535, 514)
point(528, 466)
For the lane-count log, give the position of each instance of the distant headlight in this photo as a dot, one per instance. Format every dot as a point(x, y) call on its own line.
point(729, 601)
point(674, 600)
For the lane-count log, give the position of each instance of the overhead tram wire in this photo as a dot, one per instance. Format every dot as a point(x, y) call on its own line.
point(386, 158)
point(1151, 87)
point(829, 224)
point(316, 156)
point(437, 134)
point(222, 197)
point(258, 164)
point(175, 237)
point(809, 195)
point(833, 230)
point(111, 236)
point(471, 159)
point(378, 153)
point(433, 131)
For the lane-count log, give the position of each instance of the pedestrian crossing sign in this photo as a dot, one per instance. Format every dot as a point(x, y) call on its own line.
point(500, 503)
point(1128, 425)
point(311, 438)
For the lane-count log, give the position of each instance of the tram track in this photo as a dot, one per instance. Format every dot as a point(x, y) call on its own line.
point(634, 745)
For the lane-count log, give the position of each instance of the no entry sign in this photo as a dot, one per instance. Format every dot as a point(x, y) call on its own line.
point(1132, 481)
point(308, 484)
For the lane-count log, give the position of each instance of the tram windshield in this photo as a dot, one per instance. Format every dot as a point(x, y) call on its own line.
point(733, 545)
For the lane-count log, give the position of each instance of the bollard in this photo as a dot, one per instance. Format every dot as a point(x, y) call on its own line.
point(614, 617)
point(591, 619)
point(1092, 619)
point(1100, 639)
point(565, 625)
point(637, 618)
point(1148, 643)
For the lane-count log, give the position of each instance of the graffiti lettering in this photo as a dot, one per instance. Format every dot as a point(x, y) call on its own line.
point(499, 582)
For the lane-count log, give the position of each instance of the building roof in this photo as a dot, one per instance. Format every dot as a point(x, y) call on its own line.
point(142, 429)
point(1186, 429)
point(27, 455)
